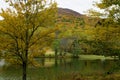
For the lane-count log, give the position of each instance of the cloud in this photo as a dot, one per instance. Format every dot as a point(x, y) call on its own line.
point(77, 5)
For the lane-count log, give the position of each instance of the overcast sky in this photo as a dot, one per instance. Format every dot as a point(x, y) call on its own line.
point(76, 5)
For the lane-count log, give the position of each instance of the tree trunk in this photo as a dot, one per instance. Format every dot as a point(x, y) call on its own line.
point(24, 67)
point(56, 51)
point(119, 56)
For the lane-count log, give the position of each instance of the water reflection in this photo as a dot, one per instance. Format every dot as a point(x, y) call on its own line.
point(50, 68)
point(2, 62)
point(49, 62)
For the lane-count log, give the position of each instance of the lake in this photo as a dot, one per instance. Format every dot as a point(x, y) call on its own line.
point(51, 69)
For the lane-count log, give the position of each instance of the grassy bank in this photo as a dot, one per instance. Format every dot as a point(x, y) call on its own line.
point(50, 54)
point(94, 57)
point(82, 56)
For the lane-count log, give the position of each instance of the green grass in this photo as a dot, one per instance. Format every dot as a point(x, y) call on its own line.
point(84, 57)
point(94, 57)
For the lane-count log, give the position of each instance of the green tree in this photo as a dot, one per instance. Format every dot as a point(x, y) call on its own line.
point(112, 14)
point(26, 29)
point(111, 8)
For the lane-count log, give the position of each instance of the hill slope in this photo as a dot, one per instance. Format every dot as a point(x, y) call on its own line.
point(73, 17)
point(65, 11)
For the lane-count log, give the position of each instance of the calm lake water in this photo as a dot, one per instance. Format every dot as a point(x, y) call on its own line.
point(50, 68)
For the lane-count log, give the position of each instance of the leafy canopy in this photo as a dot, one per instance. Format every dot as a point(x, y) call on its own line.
point(27, 28)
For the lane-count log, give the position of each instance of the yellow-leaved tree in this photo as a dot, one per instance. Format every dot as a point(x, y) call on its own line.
point(27, 29)
point(108, 26)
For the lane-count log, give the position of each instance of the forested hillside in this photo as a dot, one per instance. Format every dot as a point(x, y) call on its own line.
point(86, 35)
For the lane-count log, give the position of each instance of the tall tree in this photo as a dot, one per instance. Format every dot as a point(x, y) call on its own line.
point(111, 14)
point(27, 28)
point(111, 8)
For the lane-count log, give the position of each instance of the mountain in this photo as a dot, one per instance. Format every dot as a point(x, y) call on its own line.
point(70, 17)
point(65, 11)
